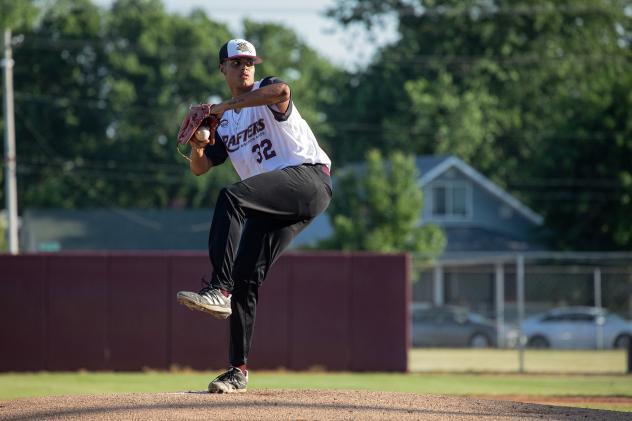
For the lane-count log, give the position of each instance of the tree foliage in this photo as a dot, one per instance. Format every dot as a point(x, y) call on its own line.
point(378, 208)
point(534, 94)
point(17, 14)
point(100, 94)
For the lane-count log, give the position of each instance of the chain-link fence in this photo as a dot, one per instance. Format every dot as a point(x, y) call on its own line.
point(530, 302)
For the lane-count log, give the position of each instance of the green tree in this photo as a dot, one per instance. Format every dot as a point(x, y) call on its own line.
point(99, 98)
point(588, 159)
point(100, 94)
point(162, 63)
point(379, 207)
point(528, 92)
point(17, 14)
point(58, 104)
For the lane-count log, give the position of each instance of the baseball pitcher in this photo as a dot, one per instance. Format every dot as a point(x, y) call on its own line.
point(285, 183)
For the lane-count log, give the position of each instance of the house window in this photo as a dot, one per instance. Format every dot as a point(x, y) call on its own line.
point(451, 200)
point(438, 201)
point(458, 201)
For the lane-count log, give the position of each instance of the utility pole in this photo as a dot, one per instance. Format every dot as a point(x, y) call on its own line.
point(10, 184)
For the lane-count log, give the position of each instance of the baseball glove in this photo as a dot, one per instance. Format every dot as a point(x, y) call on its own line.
point(198, 126)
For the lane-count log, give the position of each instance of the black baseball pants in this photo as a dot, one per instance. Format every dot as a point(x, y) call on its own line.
point(254, 221)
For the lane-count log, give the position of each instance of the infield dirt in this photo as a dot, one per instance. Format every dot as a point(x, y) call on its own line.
point(288, 404)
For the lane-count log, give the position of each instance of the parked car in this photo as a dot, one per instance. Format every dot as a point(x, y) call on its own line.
point(451, 326)
point(577, 327)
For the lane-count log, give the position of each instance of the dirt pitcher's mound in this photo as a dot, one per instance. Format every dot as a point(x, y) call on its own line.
point(288, 404)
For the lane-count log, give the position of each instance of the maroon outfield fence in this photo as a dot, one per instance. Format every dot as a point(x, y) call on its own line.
point(116, 311)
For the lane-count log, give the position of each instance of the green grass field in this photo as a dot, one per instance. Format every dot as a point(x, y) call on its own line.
point(507, 361)
point(14, 386)
point(42, 384)
point(457, 382)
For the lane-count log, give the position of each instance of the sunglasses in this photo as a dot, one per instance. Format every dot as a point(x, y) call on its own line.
point(238, 62)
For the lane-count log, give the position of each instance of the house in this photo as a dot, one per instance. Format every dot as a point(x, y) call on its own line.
point(478, 217)
point(474, 212)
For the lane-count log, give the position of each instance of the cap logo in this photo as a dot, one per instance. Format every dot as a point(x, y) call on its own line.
point(243, 47)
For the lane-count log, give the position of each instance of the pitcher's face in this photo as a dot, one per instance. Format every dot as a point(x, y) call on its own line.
point(239, 72)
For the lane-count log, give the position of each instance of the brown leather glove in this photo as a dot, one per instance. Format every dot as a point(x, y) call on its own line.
point(199, 115)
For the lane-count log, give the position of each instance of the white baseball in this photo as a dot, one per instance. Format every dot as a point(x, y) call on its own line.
point(202, 134)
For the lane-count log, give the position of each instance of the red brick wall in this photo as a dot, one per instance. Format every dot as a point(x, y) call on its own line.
point(116, 311)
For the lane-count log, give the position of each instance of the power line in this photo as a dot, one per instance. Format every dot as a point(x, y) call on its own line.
point(130, 171)
point(114, 166)
point(416, 10)
point(479, 11)
point(518, 60)
point(591, 189)
point(94, 103)
point(89, 192)
point(111, 175)
point(564, 182)
point(340, 125)
point(543, 196)
point(175, 171)
point(105, 46)
point(109, 46)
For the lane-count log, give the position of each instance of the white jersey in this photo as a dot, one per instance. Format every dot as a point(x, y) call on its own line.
point(257, 141)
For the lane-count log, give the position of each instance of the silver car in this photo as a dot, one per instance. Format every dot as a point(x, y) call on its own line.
point(577, 328)
point(451, 326)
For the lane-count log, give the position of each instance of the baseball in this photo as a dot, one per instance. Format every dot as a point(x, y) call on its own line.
point(202, 134)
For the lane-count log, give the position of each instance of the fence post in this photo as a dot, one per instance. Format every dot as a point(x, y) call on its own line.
point(500, 304)
point(630, 356)
point(439, 297)
point(598, 320)
point(520, 303)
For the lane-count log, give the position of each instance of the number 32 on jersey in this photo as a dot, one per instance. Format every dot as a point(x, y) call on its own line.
point(263, 150)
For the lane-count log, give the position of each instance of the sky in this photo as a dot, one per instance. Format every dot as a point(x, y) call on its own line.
point(306, 18)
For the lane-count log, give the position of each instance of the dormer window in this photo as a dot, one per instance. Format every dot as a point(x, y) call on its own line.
point(451, 200)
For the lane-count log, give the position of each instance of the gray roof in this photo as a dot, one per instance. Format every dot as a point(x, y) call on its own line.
point(425, 163)
point(132, 229)
point(474, 239)
point(115, 229)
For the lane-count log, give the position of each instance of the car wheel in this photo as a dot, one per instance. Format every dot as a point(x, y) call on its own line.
point(479, 340)
point(538, 342)
point(622, 341)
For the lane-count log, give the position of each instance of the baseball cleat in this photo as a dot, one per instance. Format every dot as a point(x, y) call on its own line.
point(209, 300)
point(232, 381)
